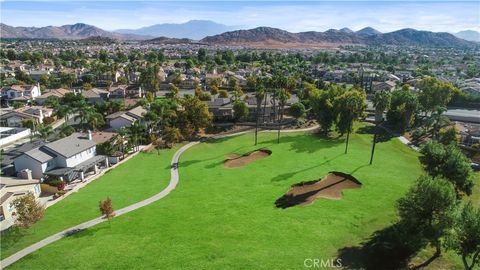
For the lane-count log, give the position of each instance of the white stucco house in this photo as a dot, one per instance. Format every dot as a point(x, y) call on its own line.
point(10, 189)
point(124, 119)
point(67, 159)
point(18, 92)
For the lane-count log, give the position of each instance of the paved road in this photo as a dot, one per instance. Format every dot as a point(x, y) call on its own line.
point(174, 178)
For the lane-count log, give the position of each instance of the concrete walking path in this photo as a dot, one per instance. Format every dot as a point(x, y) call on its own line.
point(174, 178)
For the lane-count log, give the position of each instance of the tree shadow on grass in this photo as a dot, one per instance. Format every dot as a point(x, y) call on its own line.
point(79, 233)
point(390, 248)
point(214, 164)
point(302, 145)
point(382, 134)
point(285, 176)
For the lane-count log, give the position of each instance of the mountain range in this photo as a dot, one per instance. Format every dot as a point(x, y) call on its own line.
point(212, 33)
point(194, 29)
point(71, 31)
point(273, 37)
point(469, 35)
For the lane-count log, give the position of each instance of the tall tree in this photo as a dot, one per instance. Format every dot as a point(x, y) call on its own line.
point(429, 208)
point(322, 103)
point(437, 120)
point(464, 239)
point(283, 96)
point(193, 116)
point(381, 102)
point(240, 110)
point(349, 106)
point(260, 94)
point(448, 161)
point(434, 93)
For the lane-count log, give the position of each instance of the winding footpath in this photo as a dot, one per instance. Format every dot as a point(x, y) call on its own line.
point(174, 178)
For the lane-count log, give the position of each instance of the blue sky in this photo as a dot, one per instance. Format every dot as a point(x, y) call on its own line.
point(446, 16)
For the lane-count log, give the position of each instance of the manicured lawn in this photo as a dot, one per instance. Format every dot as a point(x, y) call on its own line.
point(226, 218)
point(139, 178)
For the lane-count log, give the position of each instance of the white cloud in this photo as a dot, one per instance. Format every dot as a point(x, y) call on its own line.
point(296, 17)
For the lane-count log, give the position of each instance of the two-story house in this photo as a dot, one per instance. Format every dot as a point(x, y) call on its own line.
point(68, 158)
point(28, 92)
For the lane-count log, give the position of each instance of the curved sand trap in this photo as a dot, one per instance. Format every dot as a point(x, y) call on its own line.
point(235, 161)
point(329, 187)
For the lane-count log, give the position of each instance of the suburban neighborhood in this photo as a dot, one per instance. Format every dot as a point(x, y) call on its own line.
point(248, 148)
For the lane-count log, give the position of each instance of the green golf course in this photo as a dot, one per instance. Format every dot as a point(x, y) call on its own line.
point(226, 218)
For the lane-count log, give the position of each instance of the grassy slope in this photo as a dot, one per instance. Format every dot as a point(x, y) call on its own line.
point(225, 218)
point(128, 183)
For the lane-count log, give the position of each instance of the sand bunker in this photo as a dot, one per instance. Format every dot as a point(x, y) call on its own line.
point(329, 187)
point(235, 161)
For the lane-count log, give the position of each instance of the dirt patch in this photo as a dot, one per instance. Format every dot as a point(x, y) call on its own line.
point(329, 187)
point(235, 161)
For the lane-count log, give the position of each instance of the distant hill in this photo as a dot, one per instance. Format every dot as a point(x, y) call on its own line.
point(166, 40)
point(469, 35)
point(265, 37)
point(412, 37)
point(195, 30)
point(368, 31)
point(74, 31)
point(273, 37)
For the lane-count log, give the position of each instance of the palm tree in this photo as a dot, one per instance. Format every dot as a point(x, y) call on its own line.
point(63, 111)
point(94, 120)
point(283, 96)
point(381, 102)
point(135, 132)
point(438, 120)
point(119, 140)
point(259, 95)
point(65, 130)
point(44, 132)
point(83, 110)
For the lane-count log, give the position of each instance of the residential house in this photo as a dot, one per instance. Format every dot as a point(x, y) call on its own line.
point(14, 118)
point(68, 158)
point(383, 86)
point(118, 91)
point(59, 93)
point(96, 95)
point(11, 189)
point(134, 91)
point(36, 74)
point(124, 119)
point(18, 92)
point(221, 109)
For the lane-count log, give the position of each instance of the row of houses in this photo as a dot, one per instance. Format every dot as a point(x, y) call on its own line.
point(29, 93)
point(222, 108)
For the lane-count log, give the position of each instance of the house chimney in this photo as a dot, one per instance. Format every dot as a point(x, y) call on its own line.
point(40, 114)
point(39, 91)
point(90, 135)
point(25, 174)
